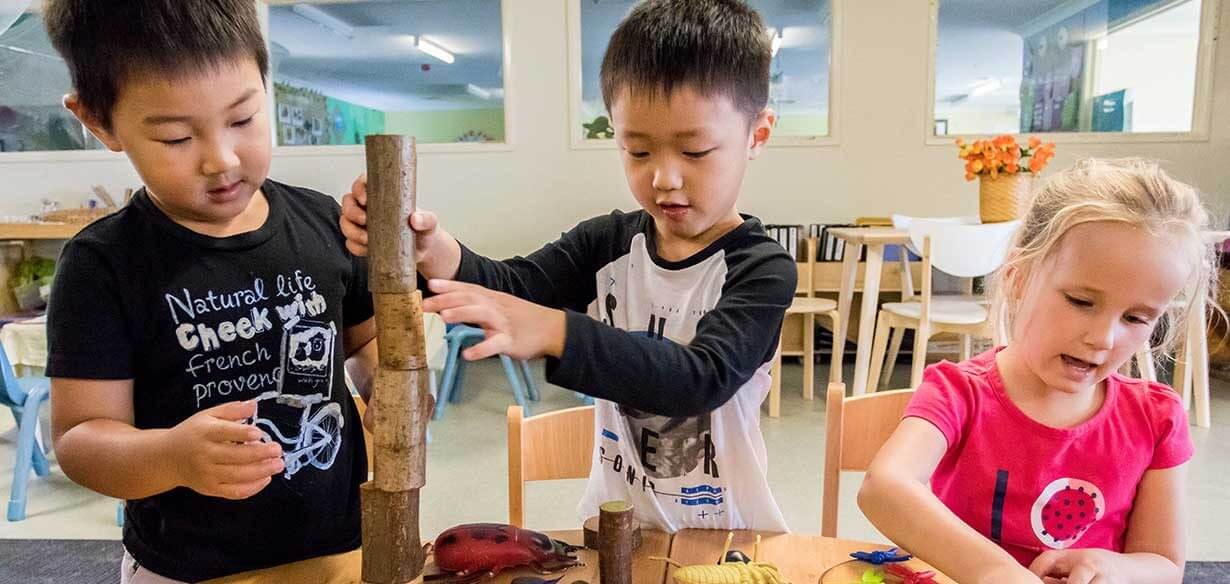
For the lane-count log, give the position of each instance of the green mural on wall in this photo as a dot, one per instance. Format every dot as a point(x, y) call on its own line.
point(307, 117)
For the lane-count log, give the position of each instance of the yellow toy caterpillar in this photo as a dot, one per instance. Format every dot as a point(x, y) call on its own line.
point(728, 572)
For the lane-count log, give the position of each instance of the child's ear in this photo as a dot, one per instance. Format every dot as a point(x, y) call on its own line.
point(73, 103)
point(762, 128)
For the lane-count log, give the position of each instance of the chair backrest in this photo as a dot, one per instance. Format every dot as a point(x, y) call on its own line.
point(807, 268)
point(11, 393)
point(961, 250)
point(854, 430)
point(551, 446)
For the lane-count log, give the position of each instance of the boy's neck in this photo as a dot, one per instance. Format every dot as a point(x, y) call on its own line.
point(673, 248)
point(252, 218)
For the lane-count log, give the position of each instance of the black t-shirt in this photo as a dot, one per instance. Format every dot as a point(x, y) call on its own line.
point(196, 321)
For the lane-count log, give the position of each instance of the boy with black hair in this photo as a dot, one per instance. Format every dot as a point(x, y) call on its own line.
point(670, 316)
point(198, 336)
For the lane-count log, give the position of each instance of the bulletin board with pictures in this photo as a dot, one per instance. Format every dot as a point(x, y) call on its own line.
point(309, 118)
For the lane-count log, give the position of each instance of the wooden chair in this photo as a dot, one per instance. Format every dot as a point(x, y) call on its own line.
point(945, 246)
point(807, 307)
point(551, 446)
point(854, 431)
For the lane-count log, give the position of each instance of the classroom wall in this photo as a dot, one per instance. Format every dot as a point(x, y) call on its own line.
point(447, 125)
point(509, 202)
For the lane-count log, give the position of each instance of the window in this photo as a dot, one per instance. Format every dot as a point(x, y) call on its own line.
point(800, 83)
point(33, 81)
point(1075, 66)
point(433, 69)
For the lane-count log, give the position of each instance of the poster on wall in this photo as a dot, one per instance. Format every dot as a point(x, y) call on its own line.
point(309, 118)
point(1053, 73)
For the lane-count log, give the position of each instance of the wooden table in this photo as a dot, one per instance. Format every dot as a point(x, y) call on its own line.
point(800, 558)
point(347, 568)
point(874, 238)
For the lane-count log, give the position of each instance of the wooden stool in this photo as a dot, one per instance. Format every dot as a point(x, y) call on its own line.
point(809, 308)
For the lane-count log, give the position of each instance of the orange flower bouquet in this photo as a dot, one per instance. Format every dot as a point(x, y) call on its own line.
point(1005, 170)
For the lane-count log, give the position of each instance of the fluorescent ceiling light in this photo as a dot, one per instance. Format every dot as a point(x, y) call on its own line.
point(324, 19)
point(477, 91)
point(776, 42)
point(435, 50)
point(984, 87)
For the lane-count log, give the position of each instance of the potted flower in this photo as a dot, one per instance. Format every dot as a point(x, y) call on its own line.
point(1005, 171)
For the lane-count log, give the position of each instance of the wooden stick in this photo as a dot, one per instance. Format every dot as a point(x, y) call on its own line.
point(391, 163)
point(390, 555)
point(400, 410)
point(730, 536)
point(401, 399)
point(615, 543)
point(399, 322)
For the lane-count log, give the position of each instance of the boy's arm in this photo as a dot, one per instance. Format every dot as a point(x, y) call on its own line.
point(359, 346)
point(211, 452)
point(1152, 549)
point(636, 369)
point(663, 377)
point(896, 487)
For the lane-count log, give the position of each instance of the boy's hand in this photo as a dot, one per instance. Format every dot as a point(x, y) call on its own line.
point(437, 253)
point(515, 327)
point(216, 454)
point(1076, 566)
point(1009, 574)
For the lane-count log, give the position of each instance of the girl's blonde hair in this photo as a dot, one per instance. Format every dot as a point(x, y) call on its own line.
point(1132, 191)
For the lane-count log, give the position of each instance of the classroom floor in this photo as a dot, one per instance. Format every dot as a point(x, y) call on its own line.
point(467, 470)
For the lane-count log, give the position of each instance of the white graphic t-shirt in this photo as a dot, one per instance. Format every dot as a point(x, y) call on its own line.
point(677, 355)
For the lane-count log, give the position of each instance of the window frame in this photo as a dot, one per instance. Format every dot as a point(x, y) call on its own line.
point(578, 141)
point(262, 7)
point(1202, 107)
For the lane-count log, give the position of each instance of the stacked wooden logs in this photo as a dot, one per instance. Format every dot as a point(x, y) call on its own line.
point(401, 397)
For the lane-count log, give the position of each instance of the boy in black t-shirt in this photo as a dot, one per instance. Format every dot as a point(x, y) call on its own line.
point(198, 336)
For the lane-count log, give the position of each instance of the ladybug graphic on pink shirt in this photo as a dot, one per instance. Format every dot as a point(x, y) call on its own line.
point(1065, 510)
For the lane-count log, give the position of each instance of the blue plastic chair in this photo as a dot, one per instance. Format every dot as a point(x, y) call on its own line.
point(23, 396)
point(460, 336)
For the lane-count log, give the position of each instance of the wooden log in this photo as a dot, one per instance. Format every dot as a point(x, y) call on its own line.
point(391, 163)
point(590, 529)
point(615, 543)
point(392, 551)
point(399, 328)
point(401, 409)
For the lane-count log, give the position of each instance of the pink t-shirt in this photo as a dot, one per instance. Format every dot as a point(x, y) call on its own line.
point(1030, 487)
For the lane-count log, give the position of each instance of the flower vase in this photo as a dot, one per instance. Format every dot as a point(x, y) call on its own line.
point(1003, 198)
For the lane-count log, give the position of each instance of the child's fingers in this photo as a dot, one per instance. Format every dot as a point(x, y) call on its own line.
point(228, 431)
point(1049, 563)
point(354, 233)
point(235, 411)
point(359, 189)
point(352, 212)
point(453, 300)
point(241, 490)
point(229, 453)
point(238, 474)
point(423, 221)
point(496, 344)
point(486, 317)
point(442, 286)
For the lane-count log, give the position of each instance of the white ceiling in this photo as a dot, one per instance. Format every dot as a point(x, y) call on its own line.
point(378, 67)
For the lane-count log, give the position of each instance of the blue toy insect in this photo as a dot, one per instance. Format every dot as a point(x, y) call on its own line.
point(880, 557)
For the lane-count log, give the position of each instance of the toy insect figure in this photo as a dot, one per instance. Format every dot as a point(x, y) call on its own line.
point(908, 576)
point(467, 553)
point(728, 572)
point(880, 557)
